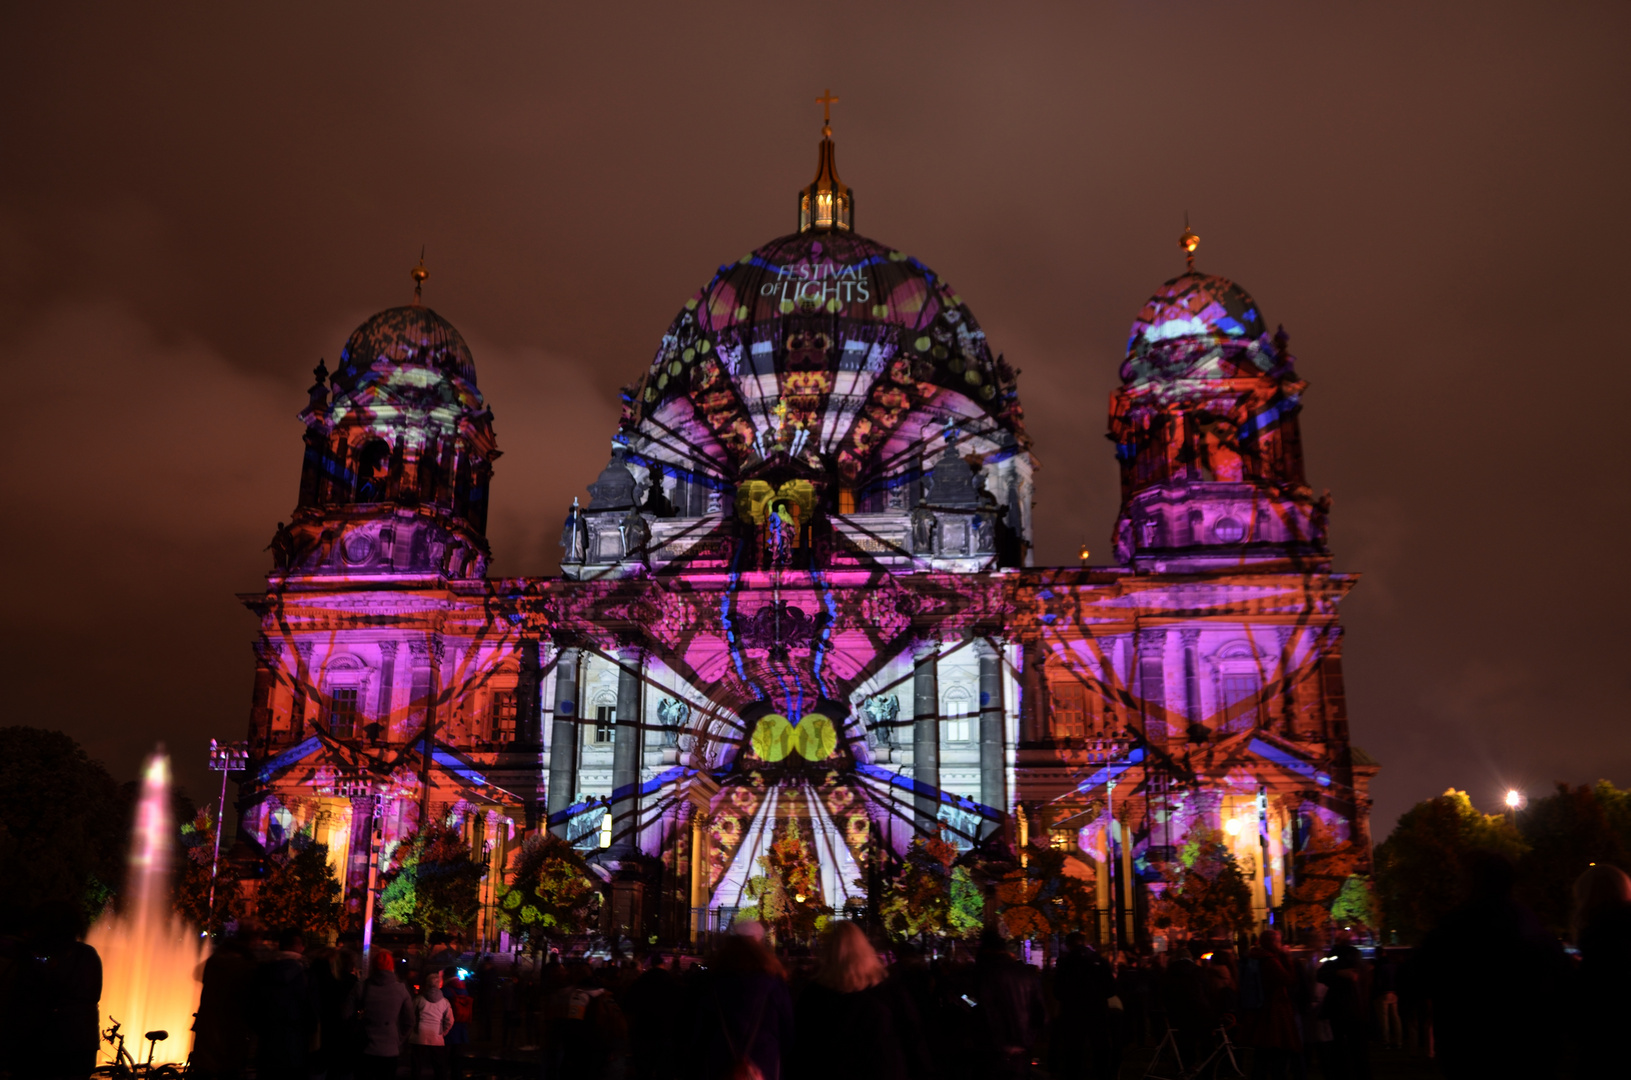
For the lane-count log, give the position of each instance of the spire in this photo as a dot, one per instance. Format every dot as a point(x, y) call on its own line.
point(827, 203)
point(419, 274)
point(1189, 242)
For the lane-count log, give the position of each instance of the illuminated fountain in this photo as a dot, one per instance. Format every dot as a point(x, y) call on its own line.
point(150, 955)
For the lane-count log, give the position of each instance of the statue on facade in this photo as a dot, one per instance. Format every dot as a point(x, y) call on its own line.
point(572, 535)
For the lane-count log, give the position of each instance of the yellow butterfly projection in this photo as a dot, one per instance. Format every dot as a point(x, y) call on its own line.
point(814, 739)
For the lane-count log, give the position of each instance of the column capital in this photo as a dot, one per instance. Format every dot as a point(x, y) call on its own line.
point(387, 649)
point(985, 650)
point(925, 648)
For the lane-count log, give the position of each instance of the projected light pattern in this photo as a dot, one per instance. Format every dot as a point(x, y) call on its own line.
point(801, 592)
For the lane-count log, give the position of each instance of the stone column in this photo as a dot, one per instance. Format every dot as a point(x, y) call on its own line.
point(993, 760)
point(699, 873)
point(387, 684)
point(926, 731)
point(563, 740)
point(1192, 680)
point(528, 723)
point(627, 751)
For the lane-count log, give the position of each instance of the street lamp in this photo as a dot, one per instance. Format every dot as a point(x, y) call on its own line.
point(361, 786)
point(228, 759)
point(1514, 799)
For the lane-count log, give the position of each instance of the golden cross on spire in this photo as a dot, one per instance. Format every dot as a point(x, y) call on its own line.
point(419, 274)
point(826, 101)
point(1188, 242)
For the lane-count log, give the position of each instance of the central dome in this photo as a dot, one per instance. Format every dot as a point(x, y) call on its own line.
point(821, 313)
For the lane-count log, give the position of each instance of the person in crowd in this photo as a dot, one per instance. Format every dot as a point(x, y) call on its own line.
point(1492, 976)
point(743, 1017)
point(1345, 1008)
point(457, 990)
point(654, 1004)
point(1268, 997)
point(1010, 1007)
point(58, 988)
point(847, 995)
point(1082, 1041)
point(1184, 997)
point(1602, 931)
point(283, 1014)
point(341, 1037)
point(432, 1020)
point(1384, 995)
point(386, 1010)
point(222, 1038)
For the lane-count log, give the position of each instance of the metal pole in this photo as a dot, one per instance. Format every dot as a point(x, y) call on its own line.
point(1110, 862)
point(215, 863)
point(1263, 846)
point(374, 835)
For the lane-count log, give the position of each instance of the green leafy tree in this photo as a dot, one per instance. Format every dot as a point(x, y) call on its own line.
point(1042, 896)
point(192, 888)
point(436, 885)
point(1566, 832)
point(932, 895)
point(1208, 893)
point(552, 894)
point(1423, 867)
point(1321, 871)
point(787, 896)
point(1352, 908)
point(61, 834)
point(299, 892)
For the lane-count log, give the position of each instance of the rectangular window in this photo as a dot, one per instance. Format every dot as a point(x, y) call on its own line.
point(605, 729)
point(958, 719)
point(342, 712)
point(1240, 706)
point(504, 713)
point(1069, 710)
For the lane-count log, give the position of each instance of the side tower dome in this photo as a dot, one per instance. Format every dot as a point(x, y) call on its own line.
point(1205, 427)
point(399, 456)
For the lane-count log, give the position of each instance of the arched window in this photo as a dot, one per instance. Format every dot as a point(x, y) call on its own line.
point(1239, 688)
point(957, 716)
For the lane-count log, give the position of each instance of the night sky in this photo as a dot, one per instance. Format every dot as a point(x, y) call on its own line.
point(196, 204)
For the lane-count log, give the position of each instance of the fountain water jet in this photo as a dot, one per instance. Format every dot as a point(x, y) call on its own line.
point(150, 955)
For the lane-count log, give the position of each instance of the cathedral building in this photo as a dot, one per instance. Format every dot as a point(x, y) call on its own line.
point(802, 591)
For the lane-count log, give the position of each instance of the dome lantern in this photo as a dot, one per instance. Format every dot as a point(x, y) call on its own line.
point(827, 203)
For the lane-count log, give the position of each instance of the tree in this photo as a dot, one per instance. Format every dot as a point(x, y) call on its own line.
point(1353, 905)
point(1423, 867)
point(61, 836)
point(1208, 893)
point(931, 895)
point(436, 885)
point(1565, 833)
point(1043, 896)
point(298, 891)
point(552, 894)
point(192, 888)
point(1321, 872)
point(787, 896)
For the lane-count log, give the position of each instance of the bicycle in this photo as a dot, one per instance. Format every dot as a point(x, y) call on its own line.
point(125, 1067)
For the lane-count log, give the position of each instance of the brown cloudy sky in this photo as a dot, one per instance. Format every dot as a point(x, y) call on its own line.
point(197, 202)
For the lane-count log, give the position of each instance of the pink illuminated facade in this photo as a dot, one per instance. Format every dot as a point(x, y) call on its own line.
point(802, 590)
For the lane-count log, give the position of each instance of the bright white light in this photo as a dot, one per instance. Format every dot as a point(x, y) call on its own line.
point(606, 830)
point(1514, 798)
point(1232, 827)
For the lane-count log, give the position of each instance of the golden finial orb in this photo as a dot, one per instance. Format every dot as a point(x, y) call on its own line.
point(1083, 554)
point(419, 274)
point(1188, 243)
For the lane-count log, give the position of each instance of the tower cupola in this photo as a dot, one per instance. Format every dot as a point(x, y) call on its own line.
point(827, 203)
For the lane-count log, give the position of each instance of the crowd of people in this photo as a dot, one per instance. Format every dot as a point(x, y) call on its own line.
point(1489, 993)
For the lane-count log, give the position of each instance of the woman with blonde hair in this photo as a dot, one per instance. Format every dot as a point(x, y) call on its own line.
point(850, 1022)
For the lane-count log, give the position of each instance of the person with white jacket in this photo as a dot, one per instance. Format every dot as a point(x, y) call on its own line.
point(433, 1019)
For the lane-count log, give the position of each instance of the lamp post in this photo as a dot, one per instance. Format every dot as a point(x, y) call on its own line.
point(1514, 803)
point(228, 759)
point(360, 786)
